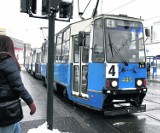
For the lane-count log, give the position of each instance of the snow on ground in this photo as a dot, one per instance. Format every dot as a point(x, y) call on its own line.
point(43, 129)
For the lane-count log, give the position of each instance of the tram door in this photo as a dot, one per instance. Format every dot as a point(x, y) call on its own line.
point(80, 68)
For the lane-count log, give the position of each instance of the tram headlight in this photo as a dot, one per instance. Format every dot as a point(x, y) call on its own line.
point(140, 82)
point(114, 83)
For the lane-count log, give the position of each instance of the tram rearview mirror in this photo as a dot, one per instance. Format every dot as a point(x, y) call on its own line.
point(81, 38)
point(147, 32)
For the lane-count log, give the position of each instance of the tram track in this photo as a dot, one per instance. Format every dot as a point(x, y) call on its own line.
point(70, 107)
point(82, 114)
point(100, 122)
point(154, 109)
point(153, 94)
point(112, 123)
point(153, 117)
point(97, 116)
point(149, 100)
point(105, 121)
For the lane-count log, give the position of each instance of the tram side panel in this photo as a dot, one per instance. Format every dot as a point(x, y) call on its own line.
point(96, 83)
point(43, 70)
point(62, 76)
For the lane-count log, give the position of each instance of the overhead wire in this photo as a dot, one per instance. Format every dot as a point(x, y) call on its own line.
point(121, 6)
point(85, 7)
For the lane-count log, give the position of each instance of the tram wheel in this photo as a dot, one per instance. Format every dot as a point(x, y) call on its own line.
point(45, 81)
point(65, 92)
point(109, 105)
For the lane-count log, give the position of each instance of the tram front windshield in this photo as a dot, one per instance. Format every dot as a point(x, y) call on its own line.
point(124, 41)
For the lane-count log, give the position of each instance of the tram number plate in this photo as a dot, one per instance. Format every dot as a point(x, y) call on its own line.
point(112, 71)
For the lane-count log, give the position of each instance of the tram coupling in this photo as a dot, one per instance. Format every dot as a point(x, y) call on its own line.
point(123, 110)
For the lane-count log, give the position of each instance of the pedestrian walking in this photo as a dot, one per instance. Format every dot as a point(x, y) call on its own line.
point(11, 89)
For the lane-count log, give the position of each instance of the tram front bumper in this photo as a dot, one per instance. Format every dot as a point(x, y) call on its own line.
point(124, 94)
point(124, 110)
point(127, 91)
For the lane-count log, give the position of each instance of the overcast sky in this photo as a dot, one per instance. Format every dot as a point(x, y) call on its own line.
point(20, 26)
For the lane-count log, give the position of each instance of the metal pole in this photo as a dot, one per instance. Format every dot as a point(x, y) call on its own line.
point(50, 70)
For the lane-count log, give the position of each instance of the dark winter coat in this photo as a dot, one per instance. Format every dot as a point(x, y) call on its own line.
point(11, 86)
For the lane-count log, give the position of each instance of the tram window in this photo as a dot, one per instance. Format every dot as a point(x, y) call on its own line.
point(66, 35)
point(59, 39)
point(58, 52)
point(62, 46)
point(38, 57)
point(45, 56)
point(85, 55)
point(42, 57)
point(98, 48)
point(76, 49)
point(45, 53)
point(76, 81)
point(58, 47)
point(34, 58)
point(65, 51)
point(84, 79)
point(56, 58)
point(42, 54)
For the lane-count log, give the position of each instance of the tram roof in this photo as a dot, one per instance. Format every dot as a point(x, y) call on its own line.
point(89, 21)
point(120, 16)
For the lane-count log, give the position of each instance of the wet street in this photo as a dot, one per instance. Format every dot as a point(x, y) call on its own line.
point(70, 117)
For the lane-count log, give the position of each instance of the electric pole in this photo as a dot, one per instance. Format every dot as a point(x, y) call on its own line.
point(49, 9)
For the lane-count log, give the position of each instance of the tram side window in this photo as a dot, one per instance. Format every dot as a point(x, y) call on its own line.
point(44, 55)
point(34, 57)
point(58, 57)
point(141, 50)
point(58, 53)
point(98, 47)
point(85, 55)
point(65, 51)
point(76, 49)
point(38, 59)
point(136, 49)
point(65, 46)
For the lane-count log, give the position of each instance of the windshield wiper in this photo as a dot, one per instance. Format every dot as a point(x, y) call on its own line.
point(117, 51)
point(110, 44)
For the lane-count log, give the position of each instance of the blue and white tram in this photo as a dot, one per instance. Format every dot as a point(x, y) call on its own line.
point(27, 63)
point(35, 63)
point(44, 59)
point(100, 63)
